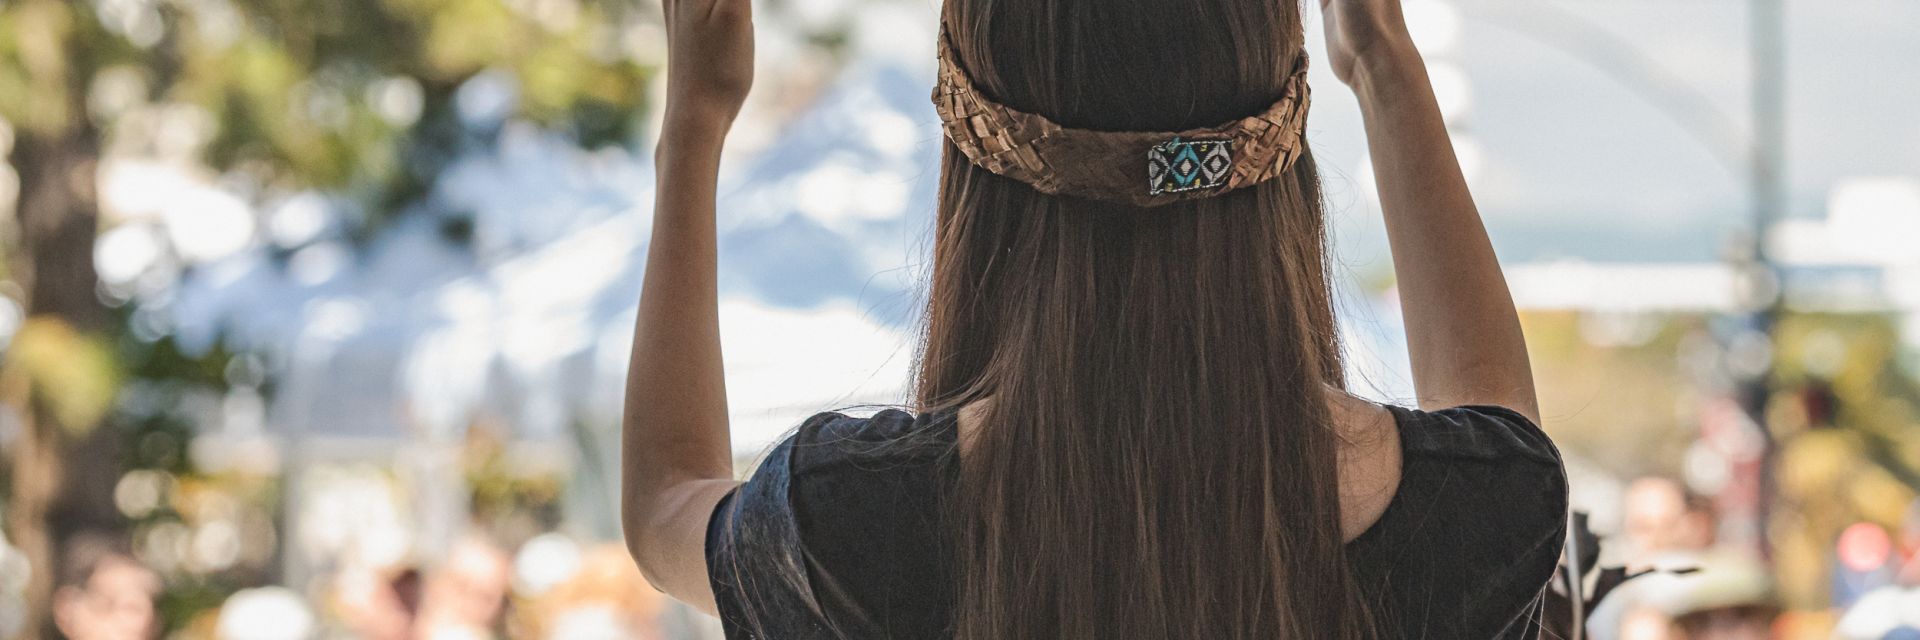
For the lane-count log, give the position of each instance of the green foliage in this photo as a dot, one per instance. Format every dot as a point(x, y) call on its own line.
point(164, 386)
point(349, 95)
point(169, 397)
point(36, 68)
point(1856, 356)
point(164, 359)
point(355, 97)
point(73, 375)
point(513, 498)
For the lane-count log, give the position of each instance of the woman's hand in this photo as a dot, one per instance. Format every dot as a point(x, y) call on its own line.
point(1361, 33)
point(709, 61)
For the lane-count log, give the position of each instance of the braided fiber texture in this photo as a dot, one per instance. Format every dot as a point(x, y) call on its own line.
point(1111, 166)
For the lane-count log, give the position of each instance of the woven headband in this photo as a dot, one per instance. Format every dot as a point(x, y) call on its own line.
point(1145, 169)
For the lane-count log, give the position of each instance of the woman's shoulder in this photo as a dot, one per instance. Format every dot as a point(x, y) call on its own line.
point(833, 438)
point(1475, 529)
point(833, 529)
point(1490, 470)
point(1483, 433)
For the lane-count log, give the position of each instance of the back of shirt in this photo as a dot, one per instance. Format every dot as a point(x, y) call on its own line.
point(840, 534)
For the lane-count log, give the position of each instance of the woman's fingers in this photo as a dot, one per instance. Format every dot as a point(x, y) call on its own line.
point(709, 56)
point(706, 12)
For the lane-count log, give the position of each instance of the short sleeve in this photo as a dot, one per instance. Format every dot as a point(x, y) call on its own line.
point(831, 536)
point(754, 560)
point(1474, 534)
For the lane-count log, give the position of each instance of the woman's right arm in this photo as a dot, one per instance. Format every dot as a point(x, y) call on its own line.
point(1463, 334)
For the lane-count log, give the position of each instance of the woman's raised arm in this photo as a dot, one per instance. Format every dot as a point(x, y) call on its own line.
point(676, 457)
point(1462, 331)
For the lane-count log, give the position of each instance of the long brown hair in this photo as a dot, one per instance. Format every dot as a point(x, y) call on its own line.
point(1158, 459)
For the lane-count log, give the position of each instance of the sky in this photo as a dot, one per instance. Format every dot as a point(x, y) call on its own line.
point(1608, 130)
point(1576, 157)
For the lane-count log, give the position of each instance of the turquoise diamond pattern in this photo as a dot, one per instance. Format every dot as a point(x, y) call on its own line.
point(1187, 165)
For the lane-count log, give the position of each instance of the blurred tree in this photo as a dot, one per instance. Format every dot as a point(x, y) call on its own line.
point(1850, 450)
point(359, 97)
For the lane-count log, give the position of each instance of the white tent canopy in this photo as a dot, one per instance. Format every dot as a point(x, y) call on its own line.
point(529, 326)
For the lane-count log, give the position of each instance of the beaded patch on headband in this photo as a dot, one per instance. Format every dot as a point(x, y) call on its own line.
point(1105, 165)
point(1177, 166)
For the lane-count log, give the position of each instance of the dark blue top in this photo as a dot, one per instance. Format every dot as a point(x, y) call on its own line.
point(837, 534)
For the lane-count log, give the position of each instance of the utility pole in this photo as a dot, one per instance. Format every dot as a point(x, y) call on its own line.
point(1767, 41)
point(1758, 157)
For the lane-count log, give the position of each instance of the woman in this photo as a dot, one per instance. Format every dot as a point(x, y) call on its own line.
point(1130, 419)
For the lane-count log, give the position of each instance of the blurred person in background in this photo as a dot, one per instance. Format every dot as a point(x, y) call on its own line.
point(1865, 559)
point(1718, 597)
point(377, 604)
point(1888, 577)
point(1683, 586)
point(1910, 545)
point(1661, 518)
point(105, 593)
point(605, 598)
point(1131, 418)
point(466, 594)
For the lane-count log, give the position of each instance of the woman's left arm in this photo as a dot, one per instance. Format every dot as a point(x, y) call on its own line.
point(676, 456)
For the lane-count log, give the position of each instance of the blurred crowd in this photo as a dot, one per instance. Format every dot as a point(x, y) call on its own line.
point(548, 588)
point(1684, 583)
